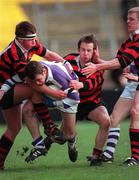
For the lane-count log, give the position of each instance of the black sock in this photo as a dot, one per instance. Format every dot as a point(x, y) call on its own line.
point(134, 142)
point(44, 115)
point(5, 146)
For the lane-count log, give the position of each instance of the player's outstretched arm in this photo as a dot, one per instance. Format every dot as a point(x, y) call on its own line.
point(107, 65)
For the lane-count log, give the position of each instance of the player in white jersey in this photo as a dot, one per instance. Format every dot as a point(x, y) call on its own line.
point(59, 78)
point(56, 74)
point(120, 112)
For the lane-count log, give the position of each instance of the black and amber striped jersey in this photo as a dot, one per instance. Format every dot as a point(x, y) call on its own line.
point(129, 52)
point(13, 60)
point(92, 85)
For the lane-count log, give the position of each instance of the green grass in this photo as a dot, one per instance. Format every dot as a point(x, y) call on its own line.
point(57, 166)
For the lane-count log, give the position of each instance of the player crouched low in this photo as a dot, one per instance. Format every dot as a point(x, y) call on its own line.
point(58, 76)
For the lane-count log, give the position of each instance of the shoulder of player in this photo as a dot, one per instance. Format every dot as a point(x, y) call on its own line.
point(71, 56)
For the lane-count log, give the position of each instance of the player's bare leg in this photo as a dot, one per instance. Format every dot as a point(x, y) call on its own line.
point(68, 128)
point(119, 113)
point(101, 117)
point(134, 133)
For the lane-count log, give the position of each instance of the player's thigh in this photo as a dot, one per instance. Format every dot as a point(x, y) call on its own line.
point(27, 108)
point(13, 117)
point(100, 115)
point(21, 92)
point(69, 120)
point(135, 111)
point(136, 100)
point(121, 110)
point(135, 107)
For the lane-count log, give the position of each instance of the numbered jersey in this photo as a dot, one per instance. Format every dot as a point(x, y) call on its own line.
point(92, 85)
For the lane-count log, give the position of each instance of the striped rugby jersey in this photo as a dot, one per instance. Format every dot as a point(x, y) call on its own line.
point(58, 76)
point(92, 85)
point(129, 52)
point(13, 60)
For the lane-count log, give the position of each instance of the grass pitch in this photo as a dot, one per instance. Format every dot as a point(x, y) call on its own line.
point(57, 166)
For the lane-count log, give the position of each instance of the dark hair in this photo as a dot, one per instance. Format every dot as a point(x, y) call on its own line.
point(24, 28)
point(32, 69)
point(88, 39)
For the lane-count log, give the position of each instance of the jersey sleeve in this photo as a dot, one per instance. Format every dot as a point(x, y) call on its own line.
point(129, 54)
point(39, 49)
point(10, 82)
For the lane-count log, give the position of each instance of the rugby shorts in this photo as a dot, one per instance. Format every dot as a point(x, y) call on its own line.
point(129, 90)
point(85, 108)
point(8, 100)
point(66, 105)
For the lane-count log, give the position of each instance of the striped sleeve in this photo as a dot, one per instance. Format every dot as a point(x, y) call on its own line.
point(129, 55)
point(10, 82)
point(39, 49)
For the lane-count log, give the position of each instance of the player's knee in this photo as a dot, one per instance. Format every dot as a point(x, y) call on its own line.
point(105, 123)
point(27, 109)
point(134, 113)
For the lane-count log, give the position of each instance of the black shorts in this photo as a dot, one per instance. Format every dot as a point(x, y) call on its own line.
point(85, 108)
point(8, 100)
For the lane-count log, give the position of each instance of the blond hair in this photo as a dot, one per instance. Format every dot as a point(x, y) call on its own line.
point(134, 10)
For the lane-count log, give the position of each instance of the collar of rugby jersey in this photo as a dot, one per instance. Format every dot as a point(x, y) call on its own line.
point(77, 59)
point(134, 33)
point(21, 47)
point(49, 75)
point(50, 78)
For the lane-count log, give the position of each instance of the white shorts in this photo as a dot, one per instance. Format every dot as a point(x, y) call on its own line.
point(66, 105)
point(129, 90)
point(71, 109)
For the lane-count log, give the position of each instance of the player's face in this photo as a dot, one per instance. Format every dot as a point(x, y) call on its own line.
point(86, 52)
point(132, 22)
point(41, 78)
point(28, 44)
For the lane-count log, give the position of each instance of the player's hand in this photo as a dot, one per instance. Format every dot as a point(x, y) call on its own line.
point(1, 94)
point(89, 69)
point(76, 85)
point(59, 94)
point(96, 56)
point(126, 69)
point(68, 66)
point(130, 76)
